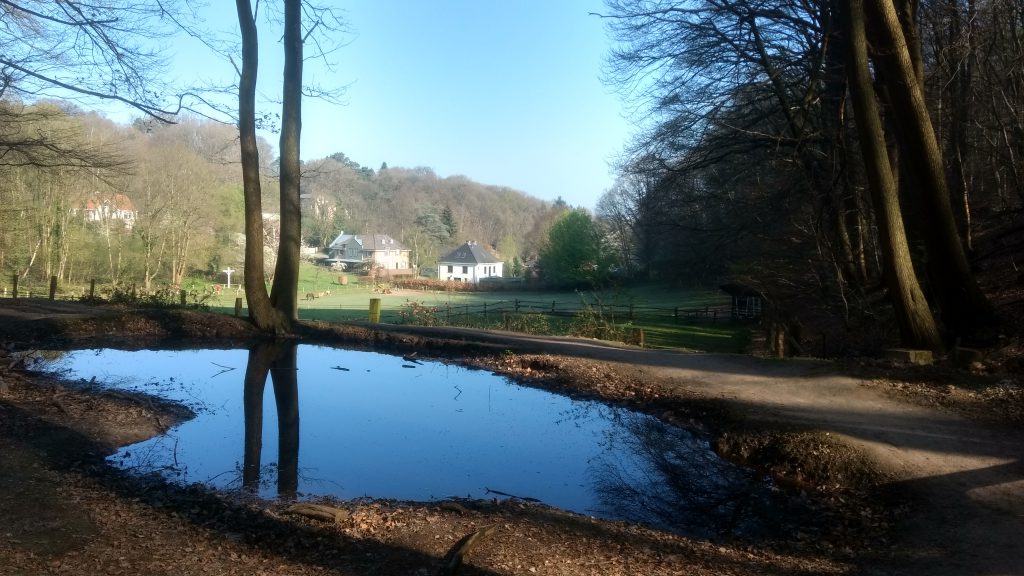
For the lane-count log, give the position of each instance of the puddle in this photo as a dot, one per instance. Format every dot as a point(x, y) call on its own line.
point(352, 424)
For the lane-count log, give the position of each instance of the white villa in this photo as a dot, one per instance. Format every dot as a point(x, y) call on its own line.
point(116, 207)
point(470, 262)
point(377, 250)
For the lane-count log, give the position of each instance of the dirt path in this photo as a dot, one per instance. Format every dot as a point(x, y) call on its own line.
point(966, 478)
point(969, 476)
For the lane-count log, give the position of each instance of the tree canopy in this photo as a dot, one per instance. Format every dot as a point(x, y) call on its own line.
point(573, 256)
point(754, 166)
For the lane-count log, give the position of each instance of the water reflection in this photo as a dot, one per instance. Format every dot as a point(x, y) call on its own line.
point(384, 427)
point(279, 360)
point(677, 483)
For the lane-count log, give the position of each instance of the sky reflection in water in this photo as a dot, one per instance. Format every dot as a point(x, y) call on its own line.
point(376, 425)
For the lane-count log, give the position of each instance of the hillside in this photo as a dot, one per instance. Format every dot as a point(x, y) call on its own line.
point(426, 212)
point(151, 203)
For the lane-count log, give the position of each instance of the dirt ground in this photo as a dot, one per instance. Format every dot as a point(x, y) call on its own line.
point(897, 470)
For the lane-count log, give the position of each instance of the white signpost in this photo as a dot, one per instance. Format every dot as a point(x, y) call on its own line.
point(228, 271)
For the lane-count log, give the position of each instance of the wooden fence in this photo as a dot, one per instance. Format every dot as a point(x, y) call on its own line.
point(499, 312)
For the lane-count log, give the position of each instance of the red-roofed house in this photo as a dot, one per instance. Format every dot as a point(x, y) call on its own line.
point(112, 207)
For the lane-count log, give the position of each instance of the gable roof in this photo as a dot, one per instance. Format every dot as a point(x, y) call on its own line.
point(341, 239)
point(469, 253)
point(113, 201)
point(369, 242)
point(377, 242)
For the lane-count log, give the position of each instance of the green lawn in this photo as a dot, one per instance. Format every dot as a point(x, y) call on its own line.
point(658, 310)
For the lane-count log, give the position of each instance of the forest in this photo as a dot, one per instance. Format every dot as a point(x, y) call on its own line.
point(858, 163)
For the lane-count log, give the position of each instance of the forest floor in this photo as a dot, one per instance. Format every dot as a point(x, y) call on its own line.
point(897, 470)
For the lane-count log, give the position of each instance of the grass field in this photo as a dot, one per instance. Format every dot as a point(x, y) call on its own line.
point(660, 311)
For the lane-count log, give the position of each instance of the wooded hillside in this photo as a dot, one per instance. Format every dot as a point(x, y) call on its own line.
point(82, 197)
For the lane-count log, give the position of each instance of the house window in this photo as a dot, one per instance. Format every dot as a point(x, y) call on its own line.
point(450, 269)
point(465, 269)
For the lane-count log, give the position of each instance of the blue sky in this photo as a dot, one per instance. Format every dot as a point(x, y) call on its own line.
point(505, 92)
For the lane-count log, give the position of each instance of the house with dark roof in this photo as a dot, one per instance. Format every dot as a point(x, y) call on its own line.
point(375, 250)
point(470, 262)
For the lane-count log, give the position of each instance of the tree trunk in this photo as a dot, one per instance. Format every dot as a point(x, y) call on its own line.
point(261, 356)
point(284, 294)
point(962, 112)
point(917, 325)
point(964, 307)
point(261, 311)
point(286, 394)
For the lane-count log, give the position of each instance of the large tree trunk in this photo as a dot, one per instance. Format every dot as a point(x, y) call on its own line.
point(277, 358)
point(261, 357)
point(286, 275)
point(964, 307)
point(261, 311)
point(917, 325)
point(286, 393)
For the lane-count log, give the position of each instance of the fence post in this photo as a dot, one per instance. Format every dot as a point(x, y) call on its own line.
point(238, 304)
point(375, 310)
point(14, 289)
point(448, 313)
point(183, 294)
point(92, 289)
point(485, 312)
point(631, 317)
point(53, 287)
point(552, 306)
point(517, 305)
point(715, 317)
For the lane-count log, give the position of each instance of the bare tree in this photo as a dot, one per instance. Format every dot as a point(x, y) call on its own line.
point(89, 51)
point(897, 56)
point(302, 22)
point(917, 325)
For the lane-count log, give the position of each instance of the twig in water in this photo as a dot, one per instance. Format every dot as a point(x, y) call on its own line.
point(507, 495)
point(223, 369)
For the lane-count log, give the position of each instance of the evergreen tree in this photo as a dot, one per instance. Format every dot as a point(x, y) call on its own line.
point(448, 219)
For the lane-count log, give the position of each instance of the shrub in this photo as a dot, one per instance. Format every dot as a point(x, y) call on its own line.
point(419, 315)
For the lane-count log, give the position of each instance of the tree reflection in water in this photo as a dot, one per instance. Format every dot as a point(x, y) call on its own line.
point(279, 360)
point(678, 483)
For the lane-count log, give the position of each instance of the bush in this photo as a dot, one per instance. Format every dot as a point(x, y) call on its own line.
point(432, 284)
point(527, 323)
point(590, 322)
point(165, 297)
point(417, 314)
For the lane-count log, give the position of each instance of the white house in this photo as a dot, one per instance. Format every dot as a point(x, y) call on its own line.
point(470, 262)
point(377, 250)
point(110, 207)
